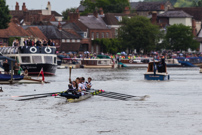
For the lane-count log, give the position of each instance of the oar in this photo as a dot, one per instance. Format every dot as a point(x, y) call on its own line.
point(38, 94)
point(70, 71)
point(32, 98)
point(114, 95)
point(119, 98)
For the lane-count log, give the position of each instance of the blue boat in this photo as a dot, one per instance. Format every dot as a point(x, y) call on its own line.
point(188, 62)
point(156, 71)
point(4, 77)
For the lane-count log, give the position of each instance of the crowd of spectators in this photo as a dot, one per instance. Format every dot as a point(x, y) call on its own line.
point(31, 42)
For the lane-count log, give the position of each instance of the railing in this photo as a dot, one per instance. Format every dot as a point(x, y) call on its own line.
point(28, 49)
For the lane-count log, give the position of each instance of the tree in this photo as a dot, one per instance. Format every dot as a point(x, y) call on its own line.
point(108, 45)
point(183, 3)
point(139, 33)
point(112, 6)
point(65, 13)
point(180, 37)
point(4, 15)
point(197, 3)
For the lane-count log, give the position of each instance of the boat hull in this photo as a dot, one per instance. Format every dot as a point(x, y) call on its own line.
point(5, 77)
point(34, 69)
point(157, 76)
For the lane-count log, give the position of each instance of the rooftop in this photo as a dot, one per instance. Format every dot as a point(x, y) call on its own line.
point(175, 14)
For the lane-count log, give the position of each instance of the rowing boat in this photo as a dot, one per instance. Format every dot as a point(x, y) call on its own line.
point(84, 97)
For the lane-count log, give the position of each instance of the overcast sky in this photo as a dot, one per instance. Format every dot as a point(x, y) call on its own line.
point(57, 5)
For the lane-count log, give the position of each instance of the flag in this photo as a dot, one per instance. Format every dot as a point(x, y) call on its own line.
point(41, 72)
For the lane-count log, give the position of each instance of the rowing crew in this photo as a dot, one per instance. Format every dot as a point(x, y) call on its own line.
point(77, 88)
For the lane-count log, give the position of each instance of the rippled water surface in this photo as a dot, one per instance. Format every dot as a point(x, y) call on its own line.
point(174, 107)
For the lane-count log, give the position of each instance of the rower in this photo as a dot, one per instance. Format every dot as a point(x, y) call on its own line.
point(81, 85)
point(89, 84)
point(72, 92)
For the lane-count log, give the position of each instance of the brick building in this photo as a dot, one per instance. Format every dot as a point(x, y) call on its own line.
point(90, 27)
point(36, 17)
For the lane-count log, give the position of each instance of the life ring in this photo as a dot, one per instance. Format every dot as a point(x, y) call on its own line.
point(130, 61)
point(33, 49)
point(48, 50)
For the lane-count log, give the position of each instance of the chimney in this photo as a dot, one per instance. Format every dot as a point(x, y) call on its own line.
point(101, 11)
point(194, 27)
point(59, 26)
point(77, 10)
point(23, 7)
point(74, 16)
point(17, 6)
point(154, 17)
point(127, 10)
point(162, 7)
point(40, 17)
point(95, 13)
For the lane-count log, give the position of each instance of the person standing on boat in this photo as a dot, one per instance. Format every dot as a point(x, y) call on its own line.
point(6, 67)
point(29, 42)
point(25, 42)
point(16, 68)
point(45, 42)
point(15, 43)
point(38, 42)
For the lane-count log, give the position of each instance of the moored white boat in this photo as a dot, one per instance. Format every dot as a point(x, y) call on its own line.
point(172, 63)
point(200, 70)
point(98, 63)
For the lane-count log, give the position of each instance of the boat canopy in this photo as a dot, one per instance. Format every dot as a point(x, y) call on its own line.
point(103, 57)
point(3, 58)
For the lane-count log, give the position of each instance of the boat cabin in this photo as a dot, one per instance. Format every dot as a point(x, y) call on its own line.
point(97, 63)
point(160, 68)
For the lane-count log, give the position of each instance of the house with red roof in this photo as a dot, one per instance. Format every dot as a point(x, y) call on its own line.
point(13, 30)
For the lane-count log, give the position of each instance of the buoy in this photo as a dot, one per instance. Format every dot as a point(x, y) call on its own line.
point(1, 89)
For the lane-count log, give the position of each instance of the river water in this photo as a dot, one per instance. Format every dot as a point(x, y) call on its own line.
point(173, 108)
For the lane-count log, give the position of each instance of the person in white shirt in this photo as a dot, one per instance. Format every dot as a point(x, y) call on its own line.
point(89, 84)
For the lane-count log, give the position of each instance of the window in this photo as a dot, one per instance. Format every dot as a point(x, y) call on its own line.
point(73, 40)
point(63, 40)
point(92, 35)
point(103, 36)
point(67, 40)
point(5, 40)
point(119, 18)
point(85, 34)
point(36, 59)
point(97, 35)
point(48, 59)
point(55, 60)
point(107, 35)
point(78, 40)
point(116, 33)
point(25, 59)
